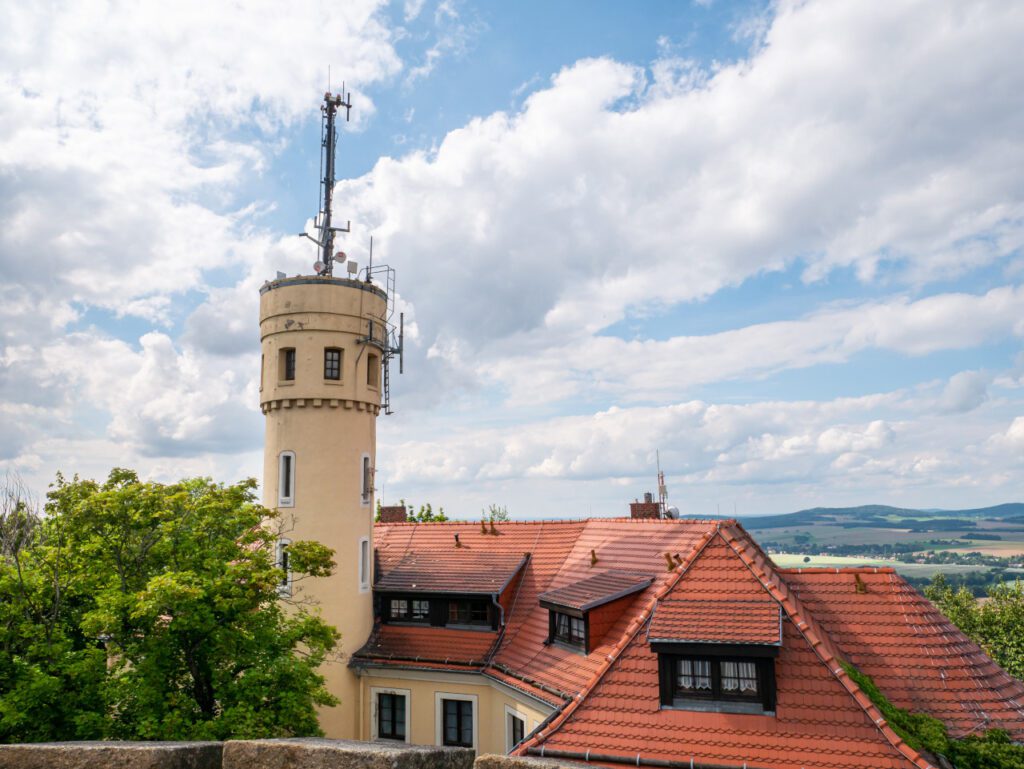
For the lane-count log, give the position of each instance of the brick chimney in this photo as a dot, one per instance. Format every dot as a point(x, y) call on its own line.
point(646, 509)
point(392, 514)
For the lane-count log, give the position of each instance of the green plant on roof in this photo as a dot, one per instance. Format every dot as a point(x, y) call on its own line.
point(988, 750)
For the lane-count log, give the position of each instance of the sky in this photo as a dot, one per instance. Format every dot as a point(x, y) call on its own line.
point(778, 245)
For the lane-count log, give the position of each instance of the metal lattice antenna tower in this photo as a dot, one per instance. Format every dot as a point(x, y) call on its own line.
point(328, 141)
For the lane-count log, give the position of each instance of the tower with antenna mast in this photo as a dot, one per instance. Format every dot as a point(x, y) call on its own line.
point(327, 342)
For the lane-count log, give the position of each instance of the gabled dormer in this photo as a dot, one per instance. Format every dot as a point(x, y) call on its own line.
point(717, 655)
point(580, 614)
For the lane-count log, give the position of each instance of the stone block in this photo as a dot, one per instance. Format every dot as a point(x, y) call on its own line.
point(112, 755)
point(523, 762)
point(316, 753)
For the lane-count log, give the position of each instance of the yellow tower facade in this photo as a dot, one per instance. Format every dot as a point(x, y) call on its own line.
point(323, 341)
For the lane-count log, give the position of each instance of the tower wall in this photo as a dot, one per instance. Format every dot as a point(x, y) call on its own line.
point(330, 428)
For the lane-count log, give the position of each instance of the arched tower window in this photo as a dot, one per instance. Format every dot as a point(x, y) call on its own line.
point(364, 564)
point(367, 480)
point(286, 479)
point(284, 587)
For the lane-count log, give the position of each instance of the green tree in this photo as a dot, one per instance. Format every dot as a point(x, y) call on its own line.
point(996, 625)
point(495, 513)
point(151, 611)
point(426, 513)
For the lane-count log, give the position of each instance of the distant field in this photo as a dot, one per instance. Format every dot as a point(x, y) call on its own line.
point(1001, 549)
point(796, 560)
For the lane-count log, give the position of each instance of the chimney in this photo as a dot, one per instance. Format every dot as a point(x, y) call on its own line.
point(646, 509)
point(392, 514)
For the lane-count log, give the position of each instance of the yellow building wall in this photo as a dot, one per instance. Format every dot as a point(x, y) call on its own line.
point(492, 699)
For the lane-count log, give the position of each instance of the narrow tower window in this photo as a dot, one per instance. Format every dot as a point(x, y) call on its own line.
point(284, 587)
point(367, 483)
point(286, 479)
point(364, 564)
point(286, 364)
point(372, 370)
point(332, 363)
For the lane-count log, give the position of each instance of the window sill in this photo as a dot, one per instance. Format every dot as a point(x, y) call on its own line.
point(286, 503)
point(335, 382)
point(285, 382)
point(719, 706)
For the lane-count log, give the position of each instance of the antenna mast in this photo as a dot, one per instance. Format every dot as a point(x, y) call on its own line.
point(328, 142)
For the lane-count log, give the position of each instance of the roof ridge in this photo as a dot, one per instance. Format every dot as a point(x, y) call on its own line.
point(836, 570)
point(816, 636)
point(634, 627)
point(532, 521)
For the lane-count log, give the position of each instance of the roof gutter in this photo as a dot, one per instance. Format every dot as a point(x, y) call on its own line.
point(636, 760)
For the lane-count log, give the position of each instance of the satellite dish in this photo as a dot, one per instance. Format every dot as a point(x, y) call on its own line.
point(340, 257)
point(353, 268)
point(318, 267)
point(672, 512)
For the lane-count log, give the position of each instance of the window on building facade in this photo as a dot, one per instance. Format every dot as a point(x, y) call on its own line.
point(367, 480)
point(284, 587)
point(516, 731)
point(390, 716)
point(286, 364)
point(568, 630)
point(286, 479)
point(364, 563)
point(468, 612)
point(457, 724)
point(332, 363)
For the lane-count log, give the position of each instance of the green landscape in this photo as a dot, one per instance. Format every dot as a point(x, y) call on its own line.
point(973, 548)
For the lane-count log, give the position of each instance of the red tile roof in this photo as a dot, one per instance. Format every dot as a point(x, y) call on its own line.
point(724, 589)
point(732, 622)
point(598, 590)
point(914, 654)
point(450, 570)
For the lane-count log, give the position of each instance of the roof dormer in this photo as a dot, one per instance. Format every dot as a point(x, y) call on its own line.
point(581, 613)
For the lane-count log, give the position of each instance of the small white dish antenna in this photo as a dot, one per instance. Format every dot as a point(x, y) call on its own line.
point(318, 266)
point(340, 257)
point(353, 268)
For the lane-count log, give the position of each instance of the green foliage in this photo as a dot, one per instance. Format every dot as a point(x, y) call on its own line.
point(997, 625)
point(496, 513)
point(426, 513)
point(139, 610)
point(991, 750)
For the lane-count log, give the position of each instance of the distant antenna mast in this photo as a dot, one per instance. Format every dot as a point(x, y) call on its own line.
point(328, 142)
point(662, 488)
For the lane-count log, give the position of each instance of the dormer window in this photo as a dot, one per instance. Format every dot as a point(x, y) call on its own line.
point(569, 630)
point(717, 655)
point(581, 613)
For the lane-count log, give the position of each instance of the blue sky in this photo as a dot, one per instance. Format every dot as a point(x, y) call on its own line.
point(779, 242)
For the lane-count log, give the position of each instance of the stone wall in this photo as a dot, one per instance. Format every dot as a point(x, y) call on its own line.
point(306, 753)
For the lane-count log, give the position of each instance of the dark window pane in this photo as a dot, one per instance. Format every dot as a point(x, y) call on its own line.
point(420, 610)
point(570, 630)
point(289, 364)
point(458, 723)
point(332, 363)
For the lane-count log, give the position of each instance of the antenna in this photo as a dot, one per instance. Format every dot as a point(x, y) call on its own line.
point(662, 488)
point(328, 142)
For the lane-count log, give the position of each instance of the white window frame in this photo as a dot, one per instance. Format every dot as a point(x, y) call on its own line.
point(439, 698)
point(364, 563)
point(285, 588)
point(282, 500)
point(365, 494)
point(511, 711)
point(407, 693)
